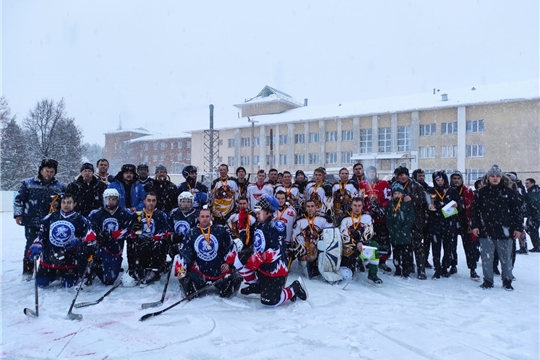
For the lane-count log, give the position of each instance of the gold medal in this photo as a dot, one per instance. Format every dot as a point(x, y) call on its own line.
point(147, 230)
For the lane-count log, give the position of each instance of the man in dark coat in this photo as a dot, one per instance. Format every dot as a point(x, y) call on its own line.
point(88, 190)
point(166, 191)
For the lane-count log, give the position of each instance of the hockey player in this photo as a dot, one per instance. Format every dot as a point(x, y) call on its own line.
point(342, 194)
point(102, 166)
point(356, 231)
point(147, 250)
point(273, 178)
point(286, 214)
point(181, 220)
point(306, 233)
point(60, 234)
point(266, 270)
point(358, 174)
point(223, 196)
point(142, 172)
point(291, 190)
point(242, 220)
point(256, 190)
point(109, 227)
point(199, 190)
point(208, 256)
point(376, 194)
point(320, 193)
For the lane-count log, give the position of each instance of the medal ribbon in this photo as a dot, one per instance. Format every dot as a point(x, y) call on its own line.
point(207, 238)
point(441, 196)
point(311, 223)
point(397, 206)
point(148, 218)
point(353, 218)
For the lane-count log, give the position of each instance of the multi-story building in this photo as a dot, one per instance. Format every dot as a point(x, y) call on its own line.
point(137, 146)
point(463, 129)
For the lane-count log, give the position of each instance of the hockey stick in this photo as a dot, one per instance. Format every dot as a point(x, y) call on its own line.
point(187, 298)
point(27, 311)
point(70, 315)
point(160, 302)
point(89, 303)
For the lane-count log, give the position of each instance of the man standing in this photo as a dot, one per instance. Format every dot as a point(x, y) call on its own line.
point(532, 210)
point(208, 256)
point(242, 220)
point(320, 193)
point(291, 190)
point(342, 194)
point(256, 190)
point(131, 193)
point(197, 189)
point(88, 190)
point(103, 168)
point(496, 218)
point(273, 177)
point(414, 192)
point(166, 191)
point(142, 172)
point(33, 202)
point(472, 254)
point(224, 195)
point(419, 176)
point(241, 181)
point(358, 174)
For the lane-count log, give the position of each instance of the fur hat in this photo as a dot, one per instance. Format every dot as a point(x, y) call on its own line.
point(50, 163)
point(495, 170)
point(401, 170)
point(87, 166)
point(142, 166)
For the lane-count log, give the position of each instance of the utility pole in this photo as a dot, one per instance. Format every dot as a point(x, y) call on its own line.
point(252, 145)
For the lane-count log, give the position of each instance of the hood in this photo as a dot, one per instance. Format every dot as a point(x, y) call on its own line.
point(442, 174)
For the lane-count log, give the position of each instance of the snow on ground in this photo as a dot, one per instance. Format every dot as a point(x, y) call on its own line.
point(403, 319)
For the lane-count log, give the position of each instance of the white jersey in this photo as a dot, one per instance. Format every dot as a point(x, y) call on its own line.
point(342, 195)
point(307, 231)
point(255, 191)
point(232, 222)
point(322, 196)
point(288, 216)
point(291, 193)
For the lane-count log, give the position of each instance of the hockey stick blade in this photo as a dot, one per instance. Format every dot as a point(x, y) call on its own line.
point(152, 304)
point(160, 302)
point(72, 316)
point(30, 312)
point(90, 303)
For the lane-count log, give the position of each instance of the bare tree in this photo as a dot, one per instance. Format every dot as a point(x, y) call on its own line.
point(93, 152)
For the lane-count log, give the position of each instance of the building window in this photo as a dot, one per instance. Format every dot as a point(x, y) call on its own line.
point(244, 160)
point(256, 160)
point(366, 141)
point(449, 128)
point(299, 138)
point(331, 136)
point(346, 157)
point(232, 143)
point(244, 142)
point(473, 175)
point(155, 146)
point(188, 144)
point(145, 147)
point(282, 159)
point(331, 158)
point(385, 139)
point(230, 161)
point(475, 126)
point(474, 150)
point(428, 130)
point(180, 144)
point(268, 140)
point(347, 135)
point(154, 158)
point(162, 157)
point(282, 139)
point(404, 138)
point(299, 159)
point(188, 156)
point(179, 157)
point(313, 137)
point(256, 141)
point(270, 160)
point(427, 152)
point(449, 151)
point(313, 158)
point(145, 158)
point(163, 146)
point(220, 142)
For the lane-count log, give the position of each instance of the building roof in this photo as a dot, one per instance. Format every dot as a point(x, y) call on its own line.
point(269, 94)
point(474, 95)
point(135, 130)
point(155, 137)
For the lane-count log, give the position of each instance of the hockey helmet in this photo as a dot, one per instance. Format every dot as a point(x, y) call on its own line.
point(185, 201)
point(188, 170)
point(110, 193)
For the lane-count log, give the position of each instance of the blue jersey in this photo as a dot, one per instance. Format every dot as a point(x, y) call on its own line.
point(156, 226)
point(268, 239)
point(117, 224)
point(181, 223)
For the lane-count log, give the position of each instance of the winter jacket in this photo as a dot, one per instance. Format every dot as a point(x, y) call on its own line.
point(137, 194)
point(496, 211)
point(88, 196)
point(400, 221)
point(419, 201)
point(199, 191)
point(33, 199)
point(532, 203)
point(167, 194)
point(437, 223)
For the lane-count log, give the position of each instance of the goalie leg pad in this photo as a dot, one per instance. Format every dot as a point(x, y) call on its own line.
point(329, 260)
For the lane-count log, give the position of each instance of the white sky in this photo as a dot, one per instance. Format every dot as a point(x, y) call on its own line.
point(159, 64)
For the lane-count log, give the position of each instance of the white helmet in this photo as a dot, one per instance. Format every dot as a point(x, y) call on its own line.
point(185, 195)
point(108, 193)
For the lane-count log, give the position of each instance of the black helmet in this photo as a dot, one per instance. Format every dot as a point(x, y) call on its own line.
point(188, 170)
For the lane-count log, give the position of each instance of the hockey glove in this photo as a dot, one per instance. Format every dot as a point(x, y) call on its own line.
point(299, 250)
point(377, 211)
point(34, 250)
point(72, 244)
point(255, 261)
point(242, 219)
point(176, 238)
point(136, 227)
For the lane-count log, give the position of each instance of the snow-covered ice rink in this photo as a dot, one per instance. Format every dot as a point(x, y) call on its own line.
point(403, 319)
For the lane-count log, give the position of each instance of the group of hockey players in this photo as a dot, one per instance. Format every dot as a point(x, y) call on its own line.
point(237, 231)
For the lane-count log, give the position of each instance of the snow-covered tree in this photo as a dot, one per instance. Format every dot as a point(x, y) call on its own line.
point(93, 152)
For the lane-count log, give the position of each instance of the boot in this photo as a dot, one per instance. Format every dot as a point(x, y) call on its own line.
point(398, 271)
point(453, 270)
point(361, 267)
point(251, 289)
point(427, 265)
point(299, 291)
point(474, 275)
point(385, 268)
point(28, 267)
point(507, 285)
point(374, 278)
point(486, 285)
point(422, 275)
point(152, 275)
point(437, 275)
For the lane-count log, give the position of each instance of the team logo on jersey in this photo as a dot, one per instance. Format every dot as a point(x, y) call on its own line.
point(149, 229)
point(110, 224)
point(181, 227)
point(61, 232)
point(280, 225)
point(206, 250)
point(259, 244)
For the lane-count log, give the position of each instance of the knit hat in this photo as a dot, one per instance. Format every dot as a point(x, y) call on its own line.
point(128, 167)
point(512, 177)
point(87, 166)
point(401, 170)
point(161, 167)
point(495, 170)
point(397, 188)
point(240, 168)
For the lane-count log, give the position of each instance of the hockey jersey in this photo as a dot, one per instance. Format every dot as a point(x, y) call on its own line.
point(321, 194)
point(224, 195)
point(342, 195)
point(255, 191)
point(376, 194)
point(307, 231)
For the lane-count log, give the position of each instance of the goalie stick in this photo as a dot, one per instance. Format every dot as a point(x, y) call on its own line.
point(90, 303)
point(27, 311)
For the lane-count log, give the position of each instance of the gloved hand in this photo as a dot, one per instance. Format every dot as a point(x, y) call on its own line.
point(376, 210)
point(136, 227)
point(176, 238)
point(105, 238)
point(255, 261)
point(34, 250)
point(299, 250)
point(72, 244)
point(239, 244)
point(242, 219)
